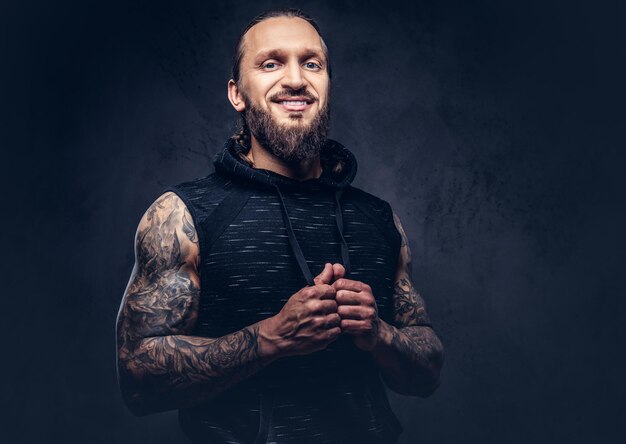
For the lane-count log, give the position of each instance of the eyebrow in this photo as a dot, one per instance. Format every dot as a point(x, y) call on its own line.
point(279, 53)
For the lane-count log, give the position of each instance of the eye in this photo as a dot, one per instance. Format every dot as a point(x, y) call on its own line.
point(270, 66)
point(312, 65)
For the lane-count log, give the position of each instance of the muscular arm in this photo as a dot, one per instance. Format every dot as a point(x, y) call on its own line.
point(409, 354)
point(160, 365)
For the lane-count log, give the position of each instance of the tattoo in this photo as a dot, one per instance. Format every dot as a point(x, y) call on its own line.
point(421, 358)
point(412, 364)
point(405, 250)
point(161, 366)
point(162, 297)
point(413, 338)
point(409, 308)
point(178, 371)
point(188, 227)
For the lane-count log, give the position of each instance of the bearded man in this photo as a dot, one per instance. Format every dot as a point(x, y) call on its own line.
point(271, 299)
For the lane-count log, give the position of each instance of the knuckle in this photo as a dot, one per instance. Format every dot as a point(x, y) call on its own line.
point(325, 289)
point(333, 320)
point(318, 289)
point(309, 292)
point(330, 306)
point(314, 305)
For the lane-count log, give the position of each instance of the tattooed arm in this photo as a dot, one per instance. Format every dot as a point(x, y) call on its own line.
point(409, 353)
point(160, 366)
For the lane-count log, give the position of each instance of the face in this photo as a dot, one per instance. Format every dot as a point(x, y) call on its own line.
point(283, 90)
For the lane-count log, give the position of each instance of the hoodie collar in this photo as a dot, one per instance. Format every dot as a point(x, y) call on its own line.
point(339, 167)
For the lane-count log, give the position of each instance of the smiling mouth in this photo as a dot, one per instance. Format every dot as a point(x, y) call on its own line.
point(294, 104)
point(298, 102)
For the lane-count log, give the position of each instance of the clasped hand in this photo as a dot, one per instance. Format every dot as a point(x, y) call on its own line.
point(316, 315)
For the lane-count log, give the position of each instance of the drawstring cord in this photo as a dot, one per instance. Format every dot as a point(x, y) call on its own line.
point(344, 244)
point(295, 246)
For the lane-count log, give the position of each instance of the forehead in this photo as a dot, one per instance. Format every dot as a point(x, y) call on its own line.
point(289, 34)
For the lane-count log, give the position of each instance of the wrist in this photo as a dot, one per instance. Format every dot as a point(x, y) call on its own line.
point(268, 340)
point(384, 337)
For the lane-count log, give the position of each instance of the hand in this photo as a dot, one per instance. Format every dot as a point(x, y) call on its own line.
point(308, 321)
point(357, 308)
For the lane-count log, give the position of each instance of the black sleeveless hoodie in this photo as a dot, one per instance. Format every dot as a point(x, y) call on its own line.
point(263, 237)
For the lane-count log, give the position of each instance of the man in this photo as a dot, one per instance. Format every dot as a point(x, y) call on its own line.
point(223, 317)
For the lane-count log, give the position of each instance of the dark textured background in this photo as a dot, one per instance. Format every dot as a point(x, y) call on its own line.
point(491, 127)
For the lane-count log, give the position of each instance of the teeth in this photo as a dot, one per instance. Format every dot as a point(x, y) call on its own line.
point(293, 102)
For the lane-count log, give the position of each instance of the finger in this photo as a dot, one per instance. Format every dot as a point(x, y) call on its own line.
point(349, 284)
point(339, 271)
point(352, 326)
point(326, 275)
point(325, 306)
point(347, 297)
point(356, 312)
point(332, 321)
point(325, 291)
point(317, 292)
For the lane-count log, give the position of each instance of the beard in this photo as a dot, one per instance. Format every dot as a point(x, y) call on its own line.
point(295, 143)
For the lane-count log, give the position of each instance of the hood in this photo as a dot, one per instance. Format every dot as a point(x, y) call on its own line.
point(339, 168)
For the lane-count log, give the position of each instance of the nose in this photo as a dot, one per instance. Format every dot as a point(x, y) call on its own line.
point(293, 77)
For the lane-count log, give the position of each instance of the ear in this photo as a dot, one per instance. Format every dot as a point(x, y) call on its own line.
point(235, 97)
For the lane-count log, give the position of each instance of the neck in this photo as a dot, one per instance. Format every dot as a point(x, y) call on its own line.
point(262, 159)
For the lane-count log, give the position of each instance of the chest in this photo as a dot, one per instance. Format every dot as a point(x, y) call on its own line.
point(250, 270)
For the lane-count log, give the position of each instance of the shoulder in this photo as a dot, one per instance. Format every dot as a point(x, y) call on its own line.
point(166, 233)
point(208, 182)
point(374, 207)
point(370, 201)
point(195, 190)
point(167, 209)
point(201, 195)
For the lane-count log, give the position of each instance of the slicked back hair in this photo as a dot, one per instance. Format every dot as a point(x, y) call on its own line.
point(273, 13)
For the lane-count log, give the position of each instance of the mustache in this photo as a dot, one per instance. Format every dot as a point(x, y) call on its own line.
point(302, 92)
